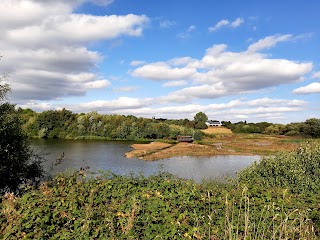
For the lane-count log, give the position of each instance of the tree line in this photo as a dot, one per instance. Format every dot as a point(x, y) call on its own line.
point(308, 128)
point(66, 124)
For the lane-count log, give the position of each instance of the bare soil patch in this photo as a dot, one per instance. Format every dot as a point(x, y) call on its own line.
point(217, 130)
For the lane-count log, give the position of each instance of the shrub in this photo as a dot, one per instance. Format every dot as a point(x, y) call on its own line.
point(292, 133)
point(18, 163)
point(201, 125)
point(198, 135)
point(298, 170)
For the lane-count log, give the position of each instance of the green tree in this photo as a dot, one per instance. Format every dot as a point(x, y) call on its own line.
point(201, 125)
point(18, 163)
point(200, 119)
point(311, 127)
point(55, 124)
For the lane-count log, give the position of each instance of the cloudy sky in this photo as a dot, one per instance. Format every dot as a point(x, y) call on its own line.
point(254, 60)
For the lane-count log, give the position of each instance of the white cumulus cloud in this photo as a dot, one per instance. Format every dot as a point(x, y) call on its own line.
point(175, 83)
point(97, 84)
point(44, 44)
point(221, 72)
point(309, 89)
point(162, 71)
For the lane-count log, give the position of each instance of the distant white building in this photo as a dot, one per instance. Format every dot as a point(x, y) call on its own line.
point(213, 123)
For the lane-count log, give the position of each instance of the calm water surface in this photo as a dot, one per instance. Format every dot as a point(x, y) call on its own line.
point(109, 155)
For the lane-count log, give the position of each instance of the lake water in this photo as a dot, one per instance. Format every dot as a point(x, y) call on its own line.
point(109, 155)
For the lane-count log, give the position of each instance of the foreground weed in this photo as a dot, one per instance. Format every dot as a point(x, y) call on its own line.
point(245, 220)
point(160, 206)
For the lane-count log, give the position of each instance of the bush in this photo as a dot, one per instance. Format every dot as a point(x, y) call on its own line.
point(18, 163)
point(292, 133)
point(198, 135)
point(201, 125)
point(298, 170)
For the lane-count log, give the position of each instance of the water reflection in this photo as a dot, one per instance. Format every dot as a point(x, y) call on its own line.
point(109, 155)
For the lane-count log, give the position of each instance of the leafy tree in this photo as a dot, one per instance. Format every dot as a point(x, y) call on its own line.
point(262, 126)
point(311, 127)
point(200, 117)
point(278, 129)
point(246, 128)
point(18, 163)
point(54, 124)
point(200, 125)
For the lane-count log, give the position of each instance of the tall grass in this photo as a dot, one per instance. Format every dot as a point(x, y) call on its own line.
point(245, 220)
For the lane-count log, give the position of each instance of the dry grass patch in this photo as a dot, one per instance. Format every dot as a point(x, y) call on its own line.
point(217, 130)
point(222, 144)
point(254, 143)
point(152, 152)
point(184, 149)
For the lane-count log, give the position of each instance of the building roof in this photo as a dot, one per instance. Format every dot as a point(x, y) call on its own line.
point(214, 121)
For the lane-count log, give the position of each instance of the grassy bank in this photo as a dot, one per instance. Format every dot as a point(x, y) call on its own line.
point(257, 205)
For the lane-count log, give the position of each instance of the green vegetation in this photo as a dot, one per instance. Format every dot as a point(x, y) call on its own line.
point(200, 120)
point(281, 202)
point(18, 163)
point(65, 124)
point(298, 170)
point(309, 128)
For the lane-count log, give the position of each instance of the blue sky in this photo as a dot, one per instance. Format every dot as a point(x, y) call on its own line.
point(234, 60)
